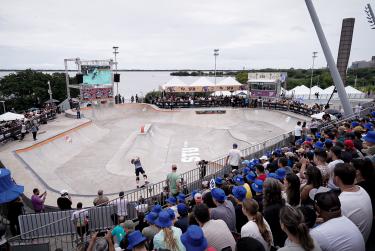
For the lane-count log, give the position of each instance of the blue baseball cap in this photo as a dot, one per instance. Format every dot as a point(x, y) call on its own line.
point(251, 176)
point(373, 113)
point(257, 186)
point(309, 139)
point(354, 124)
point(370, 137)
point(328, 141)
point(164, 220)
point(193, 239)
point(218, 194)
point(151, 217)
point(273, 176)
point(319, 145)
point(171, 200)
point(219, 180)
point(299, 142)
point(157, 209)
point(246, 170)
point(281, 172)
point(369, 126)
point(182, 209)
point(245, 162)
point(239, 192)
point(171, 213)
point(238, 179)
point(181, 198)
point(135, 238)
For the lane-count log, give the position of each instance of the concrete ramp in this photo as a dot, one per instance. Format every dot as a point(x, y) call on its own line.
point(98, 154)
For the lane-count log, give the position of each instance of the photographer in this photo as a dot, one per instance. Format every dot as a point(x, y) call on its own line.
point(64, 202)
point(202, 168)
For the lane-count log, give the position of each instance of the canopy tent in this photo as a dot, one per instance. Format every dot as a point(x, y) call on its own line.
point(329, 90)
point(9, 116)
point(351, 90)
point(221, 93)
point(229, 81)
point(175, 81)
point(316, 89)
point(202, 82)
point(8, 189)
point(301, 89)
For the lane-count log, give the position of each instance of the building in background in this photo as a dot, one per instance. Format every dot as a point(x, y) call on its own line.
point(266, 84)
point(364, 64)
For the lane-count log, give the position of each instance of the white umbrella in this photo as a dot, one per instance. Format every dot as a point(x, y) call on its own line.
point(320, 116)
point(9, 116)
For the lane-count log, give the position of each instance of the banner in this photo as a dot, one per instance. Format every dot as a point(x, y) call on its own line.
point(277, 76)
point(96, 93)
point(229, 88)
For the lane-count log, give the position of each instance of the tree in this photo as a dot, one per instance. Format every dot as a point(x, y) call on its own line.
point(26, 89)
point(242, 77)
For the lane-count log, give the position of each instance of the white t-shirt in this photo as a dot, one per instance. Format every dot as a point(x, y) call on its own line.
point(338, 234)
point(141, 208)
point(234, 157)
point(80, 216)
point(331, 166)
point(291, 246)
point(122, 206)
point(357, 207)
point(298, 131)
point(251, 229)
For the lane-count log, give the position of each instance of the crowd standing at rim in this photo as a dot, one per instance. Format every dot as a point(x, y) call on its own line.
point(317, 193)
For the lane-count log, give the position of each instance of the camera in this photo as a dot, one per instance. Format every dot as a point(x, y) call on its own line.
point(102, 233)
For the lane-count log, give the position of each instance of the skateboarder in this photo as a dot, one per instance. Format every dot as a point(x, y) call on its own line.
point(139, 169)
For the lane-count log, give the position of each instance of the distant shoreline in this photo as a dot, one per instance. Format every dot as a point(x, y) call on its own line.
point(123, 70)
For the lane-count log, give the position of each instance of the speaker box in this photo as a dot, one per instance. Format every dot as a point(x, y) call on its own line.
point(116, 78)
point(79, 78)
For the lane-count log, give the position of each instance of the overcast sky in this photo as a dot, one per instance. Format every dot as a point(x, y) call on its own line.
point(176, 34)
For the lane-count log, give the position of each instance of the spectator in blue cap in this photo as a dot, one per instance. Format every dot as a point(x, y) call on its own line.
point(224, 209)
point(183, 219)
point(281, 172)
point(239, 194)
point(194, 239)
point(171, 213)
point(137, 241)
point(219, 181)
point(354, 124)
point(251, 176)
point(246, 170)
point(171, 201)
point(238, 179)
point(151, 230)
point(369, 145)
point(319, 145)
point(283, 163)
point(157, 209)
point(257, 186)
point(181, 198)
point(369, 126)
point(168, 237)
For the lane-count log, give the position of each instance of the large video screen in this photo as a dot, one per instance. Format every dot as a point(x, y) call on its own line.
point(96, 75)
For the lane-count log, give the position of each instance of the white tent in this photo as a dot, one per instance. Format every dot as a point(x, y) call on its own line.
point(175, 81)
point(328, 90)
point(202, 82)
point(229, 81)
point(9, 116)
point(300, 90)
point(351, 90)
point(316, 89)
point(320, 116)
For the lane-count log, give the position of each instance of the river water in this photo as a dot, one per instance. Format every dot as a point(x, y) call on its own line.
point(139, 82)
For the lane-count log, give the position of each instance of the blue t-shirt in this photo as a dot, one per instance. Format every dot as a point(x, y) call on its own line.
point(119, 232)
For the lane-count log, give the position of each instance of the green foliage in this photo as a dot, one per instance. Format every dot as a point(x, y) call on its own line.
point(26, 89)
point(152, 95)
point(242, 77)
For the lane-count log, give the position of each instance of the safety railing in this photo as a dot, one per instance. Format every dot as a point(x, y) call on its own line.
point(327, 96)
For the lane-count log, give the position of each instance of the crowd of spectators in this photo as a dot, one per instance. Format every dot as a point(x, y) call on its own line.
point(317, 193)
point(16, 129)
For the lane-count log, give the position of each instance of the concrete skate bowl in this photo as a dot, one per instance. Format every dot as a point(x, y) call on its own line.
point(97, 154)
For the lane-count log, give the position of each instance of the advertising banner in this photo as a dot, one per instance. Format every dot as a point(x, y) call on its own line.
point(205, 88)
point(96, 93)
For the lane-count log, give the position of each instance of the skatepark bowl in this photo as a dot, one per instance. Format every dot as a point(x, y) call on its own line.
point(97, 154)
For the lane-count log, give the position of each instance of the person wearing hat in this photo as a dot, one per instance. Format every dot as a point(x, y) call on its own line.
point(181, 198)
point(171, 203)
point(168, 237)
point(264, 161)
point(224, 209)
point(336, 232)
point(183, 219)
point(129, 227)
point(239, 194)
point(234, 157)
point(151, 230)
point(216, 232)
point(238, 180)
point(349, 148)
point(369, 144)
point(137, 241)
point(219, 182)
point(194, 239)
point(64, 202)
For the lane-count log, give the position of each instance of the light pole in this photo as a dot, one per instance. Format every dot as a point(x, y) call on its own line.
point(49, 91)
point(115, 52)
point(216, 53)
point(2, 101)
point(312, 71)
